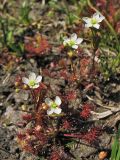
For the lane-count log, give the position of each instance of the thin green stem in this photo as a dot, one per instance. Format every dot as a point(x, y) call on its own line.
point(94, 49)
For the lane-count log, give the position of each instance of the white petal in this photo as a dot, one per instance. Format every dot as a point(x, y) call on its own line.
point(88, 25)
point(79, 41)
point(48, 101)
point(75, 46)
point(86, 19)
point(50, 111)
point(38, 79)
point(73, 37)
point(32, 76)
point(96, 26)
point(101, 18)
point(58, 101)
point(25, 80)
point(96, 15)
point(35, 86)
point(66, 41)
point(57, 110)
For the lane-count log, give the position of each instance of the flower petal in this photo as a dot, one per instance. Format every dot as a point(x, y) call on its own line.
point(38, 79)
point(101, 18)
point(66, 41)
point(57, 110)
point(35, 86)
point(58, 101)
point(87, 25)
point(32, 76)
point(86, 19)
point(50, 111)
point(25, 80)
point(48, 101)
point(75, 46)
point(79, 41)
point(96, 15)
point(73, 37)
point(97, 26)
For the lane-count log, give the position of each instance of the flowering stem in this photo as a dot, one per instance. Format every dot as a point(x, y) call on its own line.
point(72, 65)
point(94, 48)
point(33, 97)
point(106, 21)
point(40, 98)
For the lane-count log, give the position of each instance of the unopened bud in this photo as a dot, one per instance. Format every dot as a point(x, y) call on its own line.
point(23, 107)
point(25, 86)
point(17, 84)
point(44, 106)
point(70, 53)
point(17, 90)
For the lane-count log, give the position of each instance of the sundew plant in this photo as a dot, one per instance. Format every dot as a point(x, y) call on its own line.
point(52, 121)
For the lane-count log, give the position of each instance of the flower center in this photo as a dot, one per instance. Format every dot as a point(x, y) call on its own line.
point(93, 21)
point(53, 105)
point(32, 83)
point(71, 43)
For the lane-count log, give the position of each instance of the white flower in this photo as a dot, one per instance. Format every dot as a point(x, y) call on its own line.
point(73, 41)
point(93, 21)
point(32, 81)
point(53, 105)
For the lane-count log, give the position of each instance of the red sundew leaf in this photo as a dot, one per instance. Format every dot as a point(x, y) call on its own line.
point(73, 77)
point(29, 148)
point(41, 137)
point(92, 135)
point(55, 156)
point(21, 136)
point(71, 95)
point(62, 63)
point(36, 45)
point(85, 113)
point(27, 117)
point(64, 74)
point(46, 72)
point(84, 67)
point(66, 125)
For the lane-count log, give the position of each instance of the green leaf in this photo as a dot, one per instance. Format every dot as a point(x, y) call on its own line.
point(118, 154)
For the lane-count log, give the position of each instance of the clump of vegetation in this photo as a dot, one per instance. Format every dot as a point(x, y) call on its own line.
point(115, 154)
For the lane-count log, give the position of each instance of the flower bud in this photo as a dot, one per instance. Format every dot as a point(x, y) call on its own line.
point(25, 87)
point(17, 90)
point(17, 84)
point(70, 53)
point(44, 106)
